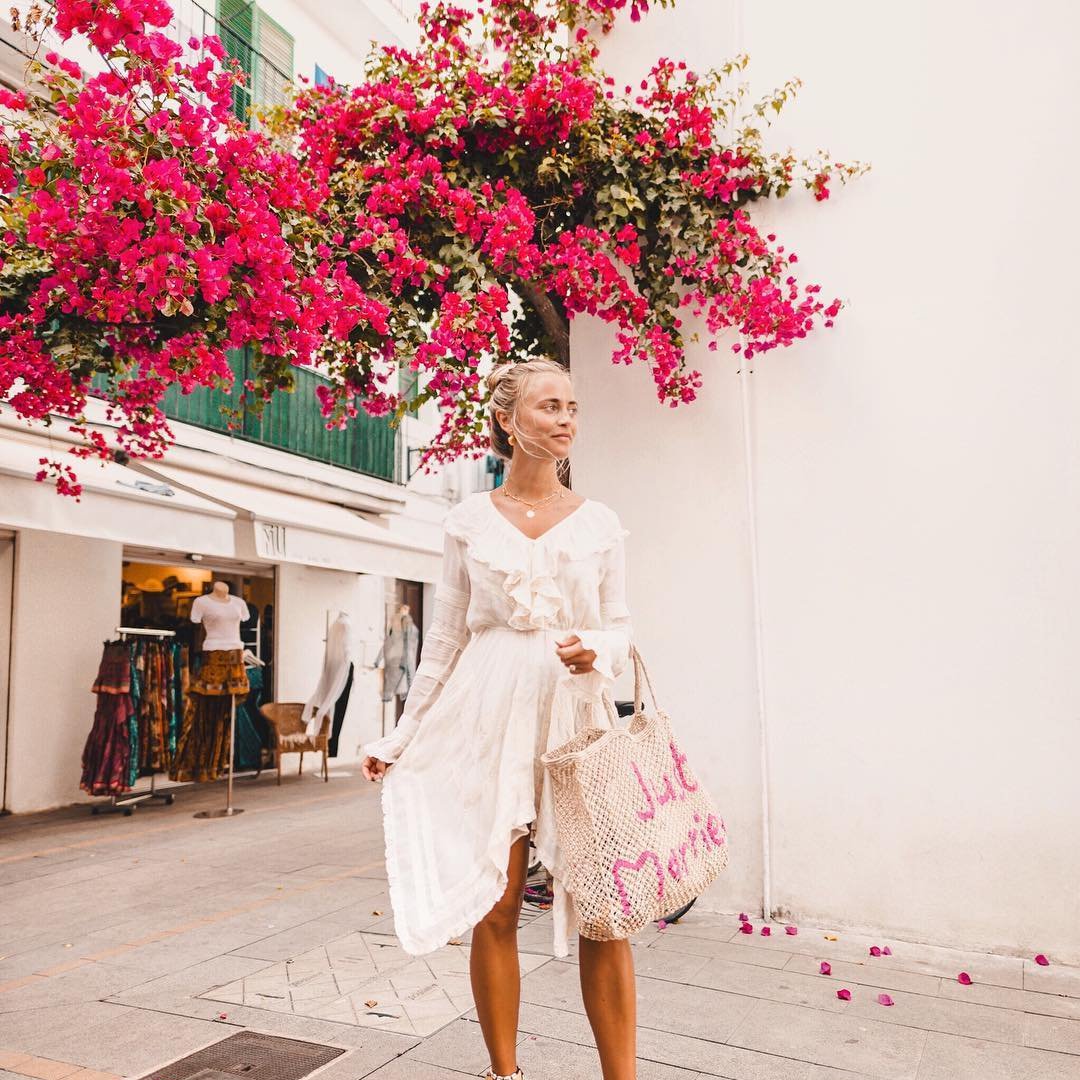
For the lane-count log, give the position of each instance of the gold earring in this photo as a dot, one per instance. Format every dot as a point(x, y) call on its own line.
point(510, 440)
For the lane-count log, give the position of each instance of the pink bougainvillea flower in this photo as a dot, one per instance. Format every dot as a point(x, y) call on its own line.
point(406, 221)
point(766, 931)
point(1041, 960)
point(792, 930)
point(747, 928)
point(964, 978)
point(742, 917)
point(875, 950)
point(844, 995)
point(886, 951)
point(826, 967)
point(884, 999)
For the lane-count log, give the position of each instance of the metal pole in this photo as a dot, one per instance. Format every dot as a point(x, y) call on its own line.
point(229, 810)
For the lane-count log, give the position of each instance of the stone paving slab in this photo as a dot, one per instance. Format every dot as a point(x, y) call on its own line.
point(128, 942)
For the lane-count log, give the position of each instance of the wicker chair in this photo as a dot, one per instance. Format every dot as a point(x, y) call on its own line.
point(288, 732)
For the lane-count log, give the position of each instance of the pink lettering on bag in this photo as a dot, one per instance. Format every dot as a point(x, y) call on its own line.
point(625, 864)
point(668, 792)
point(715, 829)
point(674, 867)
point(679, 758)
point(645, 815)
point(703, 834)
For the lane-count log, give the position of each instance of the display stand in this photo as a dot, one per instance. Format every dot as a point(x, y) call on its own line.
point(125, 804)
point(228, 810)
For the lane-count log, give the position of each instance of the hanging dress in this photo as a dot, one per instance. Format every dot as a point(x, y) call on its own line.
point(489, 698)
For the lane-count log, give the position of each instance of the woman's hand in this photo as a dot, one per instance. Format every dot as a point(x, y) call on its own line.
point(578, 660)
point(373, 768)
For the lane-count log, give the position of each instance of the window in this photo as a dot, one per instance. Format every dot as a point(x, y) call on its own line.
point(409, 385)
point(264, 50)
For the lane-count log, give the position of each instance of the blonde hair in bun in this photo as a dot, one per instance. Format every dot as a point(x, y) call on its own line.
point(506, 384)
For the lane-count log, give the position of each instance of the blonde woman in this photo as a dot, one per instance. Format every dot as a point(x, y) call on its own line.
point(530, 626)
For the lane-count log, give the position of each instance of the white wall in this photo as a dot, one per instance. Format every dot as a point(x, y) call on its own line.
point(916, 480)
point(335, 34)
point(305, 596)
point(66, 604)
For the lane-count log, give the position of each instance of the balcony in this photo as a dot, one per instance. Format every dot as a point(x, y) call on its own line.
point(292, 422)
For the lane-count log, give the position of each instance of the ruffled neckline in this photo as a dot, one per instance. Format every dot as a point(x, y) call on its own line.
point(530, 567)
point(550, 529)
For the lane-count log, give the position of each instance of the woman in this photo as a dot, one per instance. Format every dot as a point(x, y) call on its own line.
point(530, 626)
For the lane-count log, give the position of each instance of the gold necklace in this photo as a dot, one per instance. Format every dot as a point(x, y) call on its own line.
point(531, 512)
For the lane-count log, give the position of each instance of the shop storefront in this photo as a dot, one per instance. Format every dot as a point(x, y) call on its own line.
point(135, 552)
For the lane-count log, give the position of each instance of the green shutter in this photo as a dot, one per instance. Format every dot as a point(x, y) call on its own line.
point(409, 385)
point(273, 62)
point(236, 23)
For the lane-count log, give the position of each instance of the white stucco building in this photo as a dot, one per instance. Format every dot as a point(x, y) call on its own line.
point(854, 570)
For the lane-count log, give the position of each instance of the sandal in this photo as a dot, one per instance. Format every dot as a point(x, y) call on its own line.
point(517, 1074)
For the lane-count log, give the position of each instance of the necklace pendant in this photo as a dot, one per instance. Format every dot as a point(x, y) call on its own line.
point(530, 513)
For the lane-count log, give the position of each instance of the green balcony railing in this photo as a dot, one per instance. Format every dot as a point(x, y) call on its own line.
point(290, 421)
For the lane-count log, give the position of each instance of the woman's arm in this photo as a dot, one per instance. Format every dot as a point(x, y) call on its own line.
point(611, 643)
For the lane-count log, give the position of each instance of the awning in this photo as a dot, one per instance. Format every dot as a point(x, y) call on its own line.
point(292, 528)
point(117, 504)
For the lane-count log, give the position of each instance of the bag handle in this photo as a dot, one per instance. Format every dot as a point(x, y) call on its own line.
point(639, 670)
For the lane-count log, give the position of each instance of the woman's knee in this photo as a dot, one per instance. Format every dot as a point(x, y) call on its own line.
point(503, 917)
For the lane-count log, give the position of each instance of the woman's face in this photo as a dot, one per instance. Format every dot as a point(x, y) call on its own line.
point(546, 416)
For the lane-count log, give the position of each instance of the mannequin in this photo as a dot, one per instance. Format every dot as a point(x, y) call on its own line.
point(336, 673)
point(220, 614)
point(204, 749)
point(398, 654)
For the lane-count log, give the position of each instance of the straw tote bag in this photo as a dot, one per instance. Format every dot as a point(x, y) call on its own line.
point(640, 835)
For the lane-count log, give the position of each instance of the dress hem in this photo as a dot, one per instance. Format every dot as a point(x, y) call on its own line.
point(465, 921)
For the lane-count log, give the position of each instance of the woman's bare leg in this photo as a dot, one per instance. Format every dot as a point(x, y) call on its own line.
point(493, 966)
point(610, 995)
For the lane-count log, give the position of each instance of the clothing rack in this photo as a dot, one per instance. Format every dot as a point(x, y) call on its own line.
point(125, 804)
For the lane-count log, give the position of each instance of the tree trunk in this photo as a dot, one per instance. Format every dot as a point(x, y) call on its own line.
point(557, 327)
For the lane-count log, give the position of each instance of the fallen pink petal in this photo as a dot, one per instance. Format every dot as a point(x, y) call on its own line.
point(766, 931)
point(875, 950)
point(791, 930)
point(844, 995)
point(1042, 961)
point(884, 999)
point(964, 978)
point(826, 967)
point(661, 923)
point(747, 928)
point(886, 951)
point(743, 917)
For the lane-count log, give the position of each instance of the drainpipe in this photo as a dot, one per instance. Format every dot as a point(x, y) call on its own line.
point(738, 41)
point(759, 648)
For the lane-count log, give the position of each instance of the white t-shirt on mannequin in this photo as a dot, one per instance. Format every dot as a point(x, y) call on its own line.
point(221, 620)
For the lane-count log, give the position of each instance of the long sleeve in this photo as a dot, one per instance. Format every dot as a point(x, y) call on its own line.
point(442, 646)
point(611, 643)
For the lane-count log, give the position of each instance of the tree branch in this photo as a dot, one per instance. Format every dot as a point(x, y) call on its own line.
point(557, 327)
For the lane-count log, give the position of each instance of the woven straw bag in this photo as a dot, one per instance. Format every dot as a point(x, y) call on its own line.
point(640, 836)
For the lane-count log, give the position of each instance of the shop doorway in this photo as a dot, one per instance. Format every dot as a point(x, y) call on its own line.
point(157, 593)
point(7, 583)
point(411, 593)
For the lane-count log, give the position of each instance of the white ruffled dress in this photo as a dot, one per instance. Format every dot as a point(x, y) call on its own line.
point(490, 696)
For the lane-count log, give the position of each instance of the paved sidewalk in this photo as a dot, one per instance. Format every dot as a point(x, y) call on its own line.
point(128, 942)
